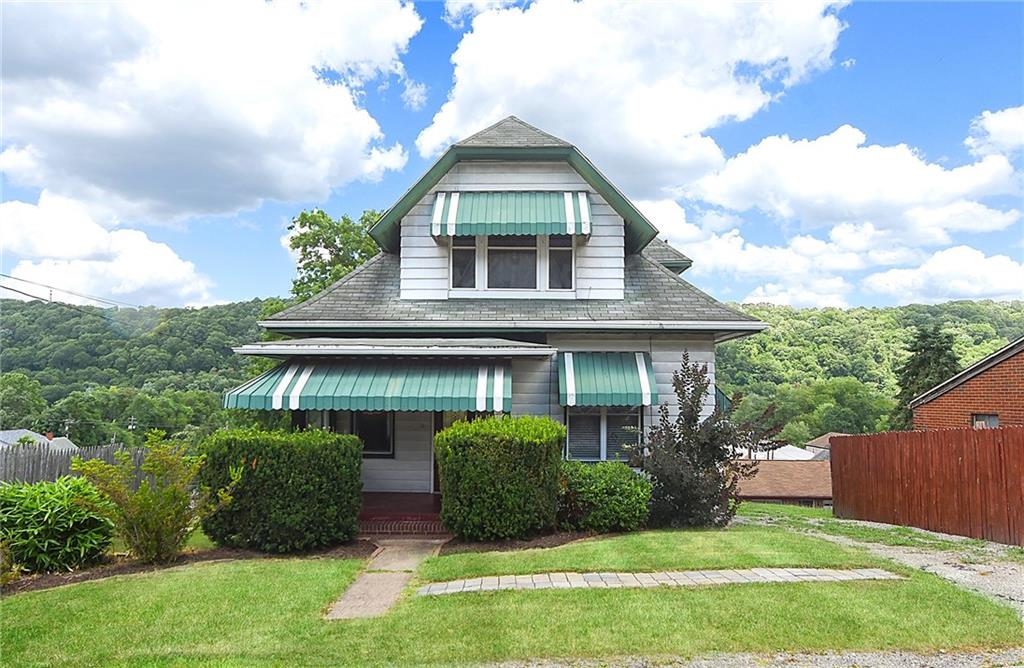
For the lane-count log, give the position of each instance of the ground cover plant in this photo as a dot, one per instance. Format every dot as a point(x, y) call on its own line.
point(200, 619)
point(499, 476)
point(296, 491)
point(52, 526)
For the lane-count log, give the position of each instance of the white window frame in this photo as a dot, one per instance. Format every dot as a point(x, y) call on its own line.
point(603, 431)
point(482, 288)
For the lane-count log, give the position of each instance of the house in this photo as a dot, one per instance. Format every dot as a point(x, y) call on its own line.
point(822, 444)
point(989, 393)
point(513, 278)
point(12, 437)
point(781, 453)
point(804, 483)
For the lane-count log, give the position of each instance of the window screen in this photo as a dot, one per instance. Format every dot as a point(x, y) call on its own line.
point(584, 437)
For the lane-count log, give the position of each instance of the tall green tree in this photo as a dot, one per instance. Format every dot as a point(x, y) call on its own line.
point(328, 248)
point(931, 361)
point(21, 400)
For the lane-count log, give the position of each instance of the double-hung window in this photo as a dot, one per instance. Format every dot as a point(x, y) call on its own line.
point(599, 434)
point(464, 262)
point(560, 262)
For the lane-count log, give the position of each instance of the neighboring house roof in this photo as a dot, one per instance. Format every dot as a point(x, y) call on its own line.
point(512, 139)
point(11, 437)
point(822, 455)
point(659, 250)
point(784, 453)
point(789, 480)
point(368, 298)
point(978, 367)
point(824, 441)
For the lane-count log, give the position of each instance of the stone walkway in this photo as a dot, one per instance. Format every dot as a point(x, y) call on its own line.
point(378, 587)
point(659, 579)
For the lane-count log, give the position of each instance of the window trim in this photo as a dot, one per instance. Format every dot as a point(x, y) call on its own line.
point(603, 431)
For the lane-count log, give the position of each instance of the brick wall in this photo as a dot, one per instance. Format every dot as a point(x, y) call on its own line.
point(998, 390)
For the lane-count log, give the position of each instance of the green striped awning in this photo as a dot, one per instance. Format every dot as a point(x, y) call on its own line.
point(606, 379)
point(504, 213)
point(378, 385)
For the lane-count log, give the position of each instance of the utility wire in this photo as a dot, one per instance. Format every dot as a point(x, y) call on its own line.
point(65, 305)
point(105, 300)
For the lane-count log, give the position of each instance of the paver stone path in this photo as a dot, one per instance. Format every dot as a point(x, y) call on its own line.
point(378, 587)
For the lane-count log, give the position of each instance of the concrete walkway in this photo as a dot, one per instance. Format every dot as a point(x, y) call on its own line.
point(378, 587)
point(659, 579)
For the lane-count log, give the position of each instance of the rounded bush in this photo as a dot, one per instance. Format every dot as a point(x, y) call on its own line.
point(54, 526)
point(499, 476)
point(298, 490)
point(602, 497)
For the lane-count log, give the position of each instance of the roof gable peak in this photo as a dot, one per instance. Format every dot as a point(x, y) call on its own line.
point(512, 131)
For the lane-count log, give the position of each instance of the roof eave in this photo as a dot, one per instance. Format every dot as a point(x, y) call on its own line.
point(982, 365)
point(722, 329)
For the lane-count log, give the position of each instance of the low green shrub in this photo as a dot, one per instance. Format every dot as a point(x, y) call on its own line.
point(298, 490)
point(156, 516)
point(602, 497)
point(53, 526)
point(499, 476)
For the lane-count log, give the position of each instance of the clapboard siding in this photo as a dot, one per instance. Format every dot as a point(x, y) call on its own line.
point(410, 469)
point(532, 382)
point(599, 258)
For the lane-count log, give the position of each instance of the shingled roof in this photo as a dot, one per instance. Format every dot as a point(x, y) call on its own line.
point(512, 132)
point(661, 251)
point(370, 294)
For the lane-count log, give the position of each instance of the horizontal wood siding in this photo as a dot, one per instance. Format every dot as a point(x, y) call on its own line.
point(410, 469)
point(599, 259)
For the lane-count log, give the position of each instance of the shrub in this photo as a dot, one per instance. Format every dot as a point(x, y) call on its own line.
point(53, 526)
point(155, 517)
point(8, 569)
point(602, 497)
point(298, 490)
point(692, 461)
point(499, 476)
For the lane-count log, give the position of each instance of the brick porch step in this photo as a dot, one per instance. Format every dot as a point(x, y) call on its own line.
point(405, 527)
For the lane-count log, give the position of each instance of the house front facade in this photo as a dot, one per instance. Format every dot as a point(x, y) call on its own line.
point(513, 278)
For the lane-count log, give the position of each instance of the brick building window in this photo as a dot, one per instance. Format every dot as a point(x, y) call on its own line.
point(984, 420)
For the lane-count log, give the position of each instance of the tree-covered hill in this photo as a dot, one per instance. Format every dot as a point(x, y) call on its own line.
point(822, 369)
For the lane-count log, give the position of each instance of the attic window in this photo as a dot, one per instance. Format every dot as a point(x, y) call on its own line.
point(512, 263)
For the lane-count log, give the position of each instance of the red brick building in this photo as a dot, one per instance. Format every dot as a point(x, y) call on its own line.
point(989, 393)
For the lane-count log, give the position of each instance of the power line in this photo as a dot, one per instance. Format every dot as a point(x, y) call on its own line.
point(64, 304)
point(105, 300)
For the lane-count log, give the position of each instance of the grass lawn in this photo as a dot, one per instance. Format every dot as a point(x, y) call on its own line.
point(268, 611)
point(736, 547)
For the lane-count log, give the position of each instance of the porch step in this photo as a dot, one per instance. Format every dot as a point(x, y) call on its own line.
point(405, 527)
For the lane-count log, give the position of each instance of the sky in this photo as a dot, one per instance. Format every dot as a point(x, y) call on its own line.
point(810, 154)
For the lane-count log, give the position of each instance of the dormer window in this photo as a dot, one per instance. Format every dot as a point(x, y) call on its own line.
point(509, 264)
point(512, 263)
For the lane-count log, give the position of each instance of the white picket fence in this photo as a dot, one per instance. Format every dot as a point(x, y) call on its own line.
point(33, 463)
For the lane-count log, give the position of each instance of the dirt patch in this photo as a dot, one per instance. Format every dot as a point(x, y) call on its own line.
point(122, 565)
point(456, 546)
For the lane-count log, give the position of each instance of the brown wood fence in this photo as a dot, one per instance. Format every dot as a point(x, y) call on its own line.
point(35, 463)
point(968, 482)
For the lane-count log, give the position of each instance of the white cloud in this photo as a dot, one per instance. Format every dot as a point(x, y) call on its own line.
point(838, 179)
point(960, 272)
point(414, 94)
point(997, 132)
point(831, 291)
point(848, 63)
point(156, 110)
point(670, 219)
point(63, 246)
point(619, 81)
point(457, 12)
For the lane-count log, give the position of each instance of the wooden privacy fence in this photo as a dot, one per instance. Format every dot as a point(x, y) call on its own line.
point(968, 482)
point(33, 463)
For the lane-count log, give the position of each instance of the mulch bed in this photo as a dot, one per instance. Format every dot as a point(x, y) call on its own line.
point(456, 546)
point(122, 565)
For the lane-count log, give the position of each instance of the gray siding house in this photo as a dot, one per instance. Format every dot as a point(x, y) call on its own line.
point(513, 278)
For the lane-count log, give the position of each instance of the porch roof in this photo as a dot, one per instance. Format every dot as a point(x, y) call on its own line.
point(378, 385)
point(606, 379)
point(418, 347)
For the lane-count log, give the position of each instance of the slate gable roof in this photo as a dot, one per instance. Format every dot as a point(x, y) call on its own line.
point(371, 293)
point(661, 251)
point(511, 132)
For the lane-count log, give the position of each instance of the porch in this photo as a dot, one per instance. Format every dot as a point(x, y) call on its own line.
point(401, 513)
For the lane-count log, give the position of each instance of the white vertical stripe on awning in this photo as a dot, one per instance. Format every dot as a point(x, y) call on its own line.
point(276, 399)
point(293, 398)
point(435, 222)
point(499, 388)
point(481, 389)
point(570, 215)
point(645, 383)
point(453, 207)
point(570, 381)
point(584, 212)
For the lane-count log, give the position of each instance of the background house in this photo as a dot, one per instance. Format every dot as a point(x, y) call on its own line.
point(989, 393)
point(805, 483)
point(820, 446)
point(11, 437)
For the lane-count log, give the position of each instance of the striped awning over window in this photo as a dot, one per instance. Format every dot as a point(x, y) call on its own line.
point(505, 213)
point(378, 385)
point(606, 379)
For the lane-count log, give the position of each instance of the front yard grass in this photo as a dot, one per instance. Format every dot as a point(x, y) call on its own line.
point(268, 611)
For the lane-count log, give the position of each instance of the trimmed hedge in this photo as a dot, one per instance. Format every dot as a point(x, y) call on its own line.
point(54, 526)
point(602, 497)
point(499, 476)
point(298, 490)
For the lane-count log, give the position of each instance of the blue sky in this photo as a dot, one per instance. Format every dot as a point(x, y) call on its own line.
point(815, 156)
